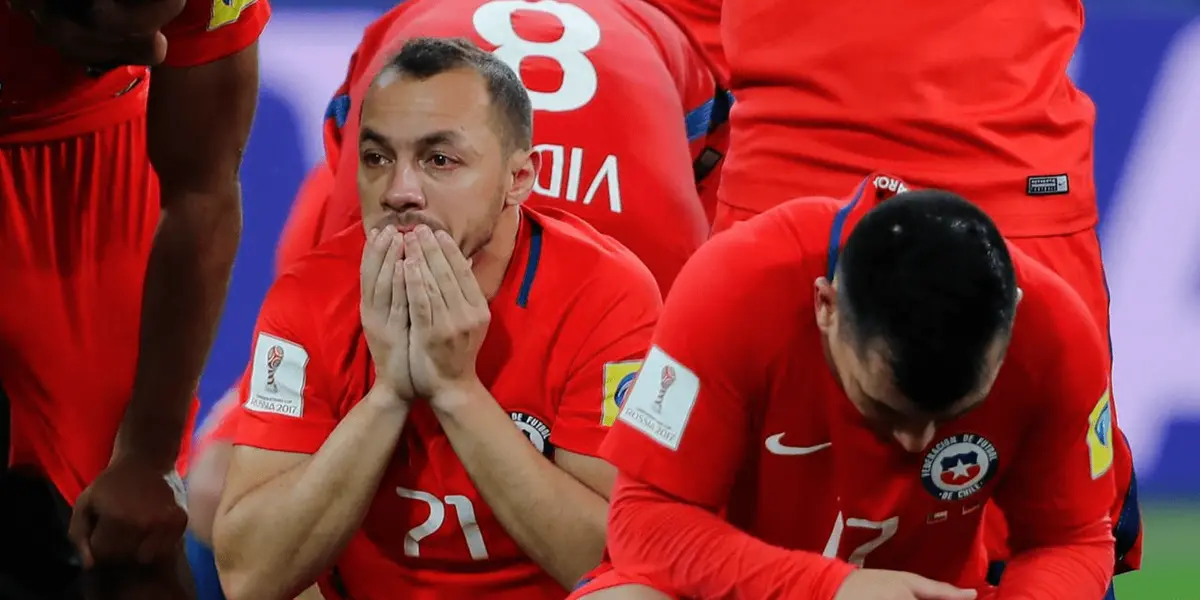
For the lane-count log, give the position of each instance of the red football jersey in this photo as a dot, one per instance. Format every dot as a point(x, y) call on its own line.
point(701, 19)
point(622, 105)
point(744, 412)
point(967, 96)
point(44, 96)
point(569, 323)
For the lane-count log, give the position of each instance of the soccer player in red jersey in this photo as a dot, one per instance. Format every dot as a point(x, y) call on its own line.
point(943, 368)
point(623, 107)
point(440, 385)
point(977, 101)
point(121, 215)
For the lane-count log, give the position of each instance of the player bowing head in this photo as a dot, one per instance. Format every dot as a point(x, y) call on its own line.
point(445, 141)
point(774, 433)
point(919, 313)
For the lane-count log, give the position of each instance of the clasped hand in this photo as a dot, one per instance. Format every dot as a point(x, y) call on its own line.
point(423, 313)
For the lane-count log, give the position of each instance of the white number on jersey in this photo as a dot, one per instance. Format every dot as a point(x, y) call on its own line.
point(886, 528)
point(437, 517)
point(493, 22)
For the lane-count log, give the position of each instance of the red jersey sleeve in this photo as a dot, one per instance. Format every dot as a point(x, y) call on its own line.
point(683, 426)
point(210, 30)
point(1058, 495)
point(617, 335)
point(691, 552)
point(287, 404)
point(217, 426)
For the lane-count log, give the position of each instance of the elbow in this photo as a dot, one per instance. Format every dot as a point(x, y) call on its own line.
point(235, 584)
point(211, 214)
point(241, 570)
point(243, 579)
point(206, 480)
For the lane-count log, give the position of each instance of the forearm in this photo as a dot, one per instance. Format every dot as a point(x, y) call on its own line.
point(694, 553)
point(554, 518)
point(277, 538)
point(1076, 571)
point(187, 278)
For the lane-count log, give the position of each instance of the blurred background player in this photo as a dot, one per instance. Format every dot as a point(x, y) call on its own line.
point(383, 406)
point(866, 424)
point(121, 215)
point(978, 101)
point(623, 104)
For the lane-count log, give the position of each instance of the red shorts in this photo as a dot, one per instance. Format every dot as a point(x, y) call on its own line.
point(77, 218)
point(605, 577)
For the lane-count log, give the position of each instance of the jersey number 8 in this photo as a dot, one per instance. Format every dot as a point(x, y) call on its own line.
point(493, 22)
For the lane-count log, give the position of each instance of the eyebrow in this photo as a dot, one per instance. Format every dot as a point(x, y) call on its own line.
point(443, 136)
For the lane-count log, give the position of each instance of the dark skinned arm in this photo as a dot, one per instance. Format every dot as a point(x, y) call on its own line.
point(198, 121)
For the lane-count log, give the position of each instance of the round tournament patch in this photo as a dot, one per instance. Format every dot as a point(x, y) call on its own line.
point(536, 430)
point(958, 466)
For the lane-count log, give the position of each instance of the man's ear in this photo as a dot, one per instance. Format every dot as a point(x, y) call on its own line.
point(825, 303)
point(523, 166)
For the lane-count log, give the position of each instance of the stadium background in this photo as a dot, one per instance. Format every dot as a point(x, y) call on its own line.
point(1140, 62)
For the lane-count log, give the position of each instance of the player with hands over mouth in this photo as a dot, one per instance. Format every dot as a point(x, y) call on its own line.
point(431, 430)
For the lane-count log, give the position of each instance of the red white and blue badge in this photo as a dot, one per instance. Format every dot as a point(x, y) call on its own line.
point(959, 466)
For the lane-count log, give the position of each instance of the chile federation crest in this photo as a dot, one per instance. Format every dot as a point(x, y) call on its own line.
point(959, 466)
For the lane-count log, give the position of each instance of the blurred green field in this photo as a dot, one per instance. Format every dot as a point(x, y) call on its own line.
point(1171, 567)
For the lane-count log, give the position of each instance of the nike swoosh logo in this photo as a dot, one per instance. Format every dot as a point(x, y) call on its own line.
point(775, 446)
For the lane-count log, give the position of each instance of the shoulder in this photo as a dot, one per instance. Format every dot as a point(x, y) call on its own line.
point(324, 277)
point(797, 230)
point(665, 28)
point(1054, 334)
point(766, 264)
point(579, 258)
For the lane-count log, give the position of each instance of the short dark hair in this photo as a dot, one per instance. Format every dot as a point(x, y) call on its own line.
point(77, 11)
point(425, 57)
point(929, 275)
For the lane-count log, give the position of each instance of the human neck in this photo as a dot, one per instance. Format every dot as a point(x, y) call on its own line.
point(490, 263)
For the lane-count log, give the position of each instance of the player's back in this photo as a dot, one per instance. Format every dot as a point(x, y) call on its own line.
point(819, 476)
point(429, 533)
point(611, 82)
point(968, 96)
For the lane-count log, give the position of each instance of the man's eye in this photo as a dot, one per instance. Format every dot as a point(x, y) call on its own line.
point(440, 160)
point(373, 159)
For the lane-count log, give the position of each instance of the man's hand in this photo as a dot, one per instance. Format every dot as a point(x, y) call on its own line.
point(131, 513)
point(875, 584)
point(448, 311)
point(384, 310)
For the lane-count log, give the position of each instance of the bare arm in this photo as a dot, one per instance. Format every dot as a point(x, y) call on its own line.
point(556, 515)
point(309, 505)
point(198, 121)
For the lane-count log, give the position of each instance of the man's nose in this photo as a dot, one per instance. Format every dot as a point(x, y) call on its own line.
point(404, 190)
